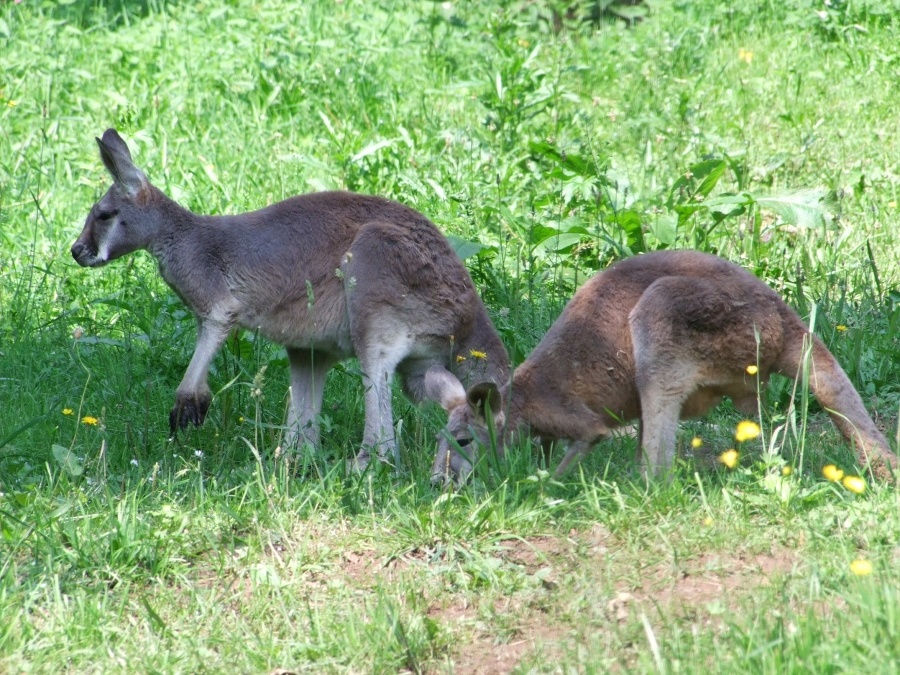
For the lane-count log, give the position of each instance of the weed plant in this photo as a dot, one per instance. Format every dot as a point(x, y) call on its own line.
point(546, 146)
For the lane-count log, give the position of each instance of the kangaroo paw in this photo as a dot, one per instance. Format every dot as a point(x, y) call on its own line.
point(189, 409)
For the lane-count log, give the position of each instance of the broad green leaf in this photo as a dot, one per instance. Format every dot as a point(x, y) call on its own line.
point(630, 222)
point(805, 208)
point(709, 173)
point(67, 460)
point(664, 229)
point(465, 248)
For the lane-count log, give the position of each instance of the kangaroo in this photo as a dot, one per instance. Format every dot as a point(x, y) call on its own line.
point(657, 337)
point(328, 275)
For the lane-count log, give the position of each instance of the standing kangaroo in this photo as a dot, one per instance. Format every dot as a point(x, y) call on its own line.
point(328, 275)
point(657, 337)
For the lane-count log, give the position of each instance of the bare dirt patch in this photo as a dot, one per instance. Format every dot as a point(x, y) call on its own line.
point(710, 583)
point(484, 651)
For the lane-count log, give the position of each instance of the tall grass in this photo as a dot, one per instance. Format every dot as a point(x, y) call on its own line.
point(546, 151)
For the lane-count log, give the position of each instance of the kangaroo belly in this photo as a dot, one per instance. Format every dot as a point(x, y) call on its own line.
point(319, 323)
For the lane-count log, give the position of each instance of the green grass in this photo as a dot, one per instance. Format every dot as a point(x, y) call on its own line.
point(557, 152)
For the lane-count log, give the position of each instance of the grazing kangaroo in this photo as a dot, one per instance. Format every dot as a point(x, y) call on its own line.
point(328, 275)
point(657, 337)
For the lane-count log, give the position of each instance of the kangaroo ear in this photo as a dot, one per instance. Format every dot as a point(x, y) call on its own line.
point(117, 159)
point(484, 394)
point(442, 386)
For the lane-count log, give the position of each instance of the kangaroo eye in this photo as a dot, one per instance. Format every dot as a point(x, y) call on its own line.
point(463, 442)
point(106, 215)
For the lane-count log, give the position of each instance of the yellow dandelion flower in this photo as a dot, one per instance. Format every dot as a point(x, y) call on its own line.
point(696, 442)
point(91, 421)
point(68, 411)
point(746, 431)
point(752, 370)
point(861, 567)
point(745, 55)
point(460, 358)
point(708, 521)
point(730, 458)
point(854, 484)
point(840, 328)
point(786, 471)
point(475, 354)
point(832, 473)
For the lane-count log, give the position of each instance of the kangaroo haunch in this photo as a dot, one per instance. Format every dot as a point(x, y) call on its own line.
point(328, 275)
point(658, 337)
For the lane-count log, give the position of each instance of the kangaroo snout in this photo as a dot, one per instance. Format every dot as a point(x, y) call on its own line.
point(81, 253)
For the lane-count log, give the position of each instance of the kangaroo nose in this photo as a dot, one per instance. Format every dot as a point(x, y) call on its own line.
point(78, 251)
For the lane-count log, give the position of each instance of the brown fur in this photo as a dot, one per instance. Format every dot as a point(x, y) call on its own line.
point(660, 337)
point(328, 275)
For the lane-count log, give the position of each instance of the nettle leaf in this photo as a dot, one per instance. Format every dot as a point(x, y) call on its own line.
point(804, 208)
point(67, 460)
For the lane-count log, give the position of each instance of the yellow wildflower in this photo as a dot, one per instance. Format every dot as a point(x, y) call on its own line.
point(752, 370)
point(840, 328)
point(475, 354)
point(893, 205)
point(697, 442)
point(746, 431)
point(745, 55)
point(92, 421)
point(708, 521)
point(68, 411)
point(786, 471)
point(241, 419)
point(832, 473)
point(861, 567)
point(12, 104)
point(730, 458)
point(854, 484)
point(460, 358)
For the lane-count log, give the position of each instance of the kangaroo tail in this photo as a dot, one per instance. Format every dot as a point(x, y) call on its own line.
point(834, 391)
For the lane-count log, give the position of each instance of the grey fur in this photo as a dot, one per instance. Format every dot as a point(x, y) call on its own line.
point(328, 275)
